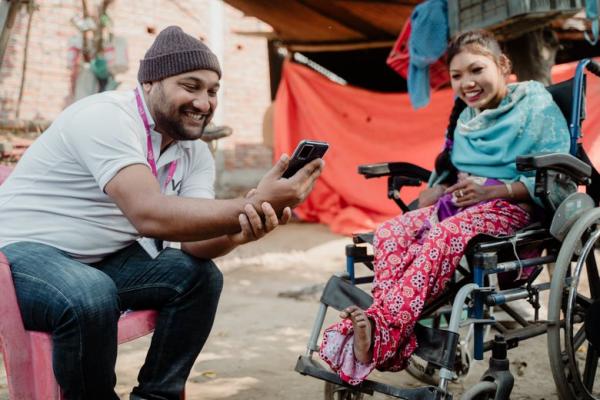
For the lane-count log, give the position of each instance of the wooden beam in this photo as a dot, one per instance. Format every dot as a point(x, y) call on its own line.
point(320, 47)
point(293, 20)
point(333, 10)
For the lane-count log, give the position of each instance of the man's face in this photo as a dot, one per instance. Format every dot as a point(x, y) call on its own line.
point(182, 105)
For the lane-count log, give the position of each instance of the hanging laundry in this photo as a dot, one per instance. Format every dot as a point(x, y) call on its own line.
point(427, 43)
point(399, 60)
point(86, 82)
point(115, 52)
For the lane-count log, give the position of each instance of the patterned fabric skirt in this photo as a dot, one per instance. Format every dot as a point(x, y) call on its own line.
point(414, 261)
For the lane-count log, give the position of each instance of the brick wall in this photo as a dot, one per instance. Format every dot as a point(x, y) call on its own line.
point(245, 91)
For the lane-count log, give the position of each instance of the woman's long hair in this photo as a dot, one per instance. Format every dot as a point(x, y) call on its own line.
point(442, 161)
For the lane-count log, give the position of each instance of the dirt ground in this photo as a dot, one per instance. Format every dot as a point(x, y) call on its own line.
point(267, 309)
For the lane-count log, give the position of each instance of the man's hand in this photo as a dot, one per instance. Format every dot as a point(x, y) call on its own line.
point(253, 227)
point(429, 196)
point(467, 193)
point(281, 192)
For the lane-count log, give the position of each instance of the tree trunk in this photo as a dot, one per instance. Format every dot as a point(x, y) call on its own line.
point(533, 54)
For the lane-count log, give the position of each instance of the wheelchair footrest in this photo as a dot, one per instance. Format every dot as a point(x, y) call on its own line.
point(436, 346)
point(308, 366)
point(340, 293)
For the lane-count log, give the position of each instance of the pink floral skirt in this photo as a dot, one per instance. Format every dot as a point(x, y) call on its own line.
point(414, 261)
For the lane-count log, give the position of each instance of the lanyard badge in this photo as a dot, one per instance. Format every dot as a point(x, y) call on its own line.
point(148, 244)
point(150, 151)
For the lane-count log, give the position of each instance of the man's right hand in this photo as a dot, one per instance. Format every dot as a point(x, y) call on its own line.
point(281, 192)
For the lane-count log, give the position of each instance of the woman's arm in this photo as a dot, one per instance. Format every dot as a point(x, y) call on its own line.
point(429, 196)
point(468, 193)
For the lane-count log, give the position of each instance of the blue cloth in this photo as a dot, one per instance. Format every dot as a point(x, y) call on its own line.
point(427, 43)
point(526, 121)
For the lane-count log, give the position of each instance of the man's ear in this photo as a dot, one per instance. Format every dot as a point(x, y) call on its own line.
point(147, 86)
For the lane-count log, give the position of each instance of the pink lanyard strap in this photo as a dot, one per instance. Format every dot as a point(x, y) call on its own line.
point(150, 156)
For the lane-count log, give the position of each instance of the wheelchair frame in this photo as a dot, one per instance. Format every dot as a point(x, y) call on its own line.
point(579, 230)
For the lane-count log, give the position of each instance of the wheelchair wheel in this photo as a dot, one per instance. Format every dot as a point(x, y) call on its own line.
point(574, 293)
point(337, 392)
point(484, 390)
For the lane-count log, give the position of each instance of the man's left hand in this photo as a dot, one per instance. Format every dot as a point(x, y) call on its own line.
point(253, 227)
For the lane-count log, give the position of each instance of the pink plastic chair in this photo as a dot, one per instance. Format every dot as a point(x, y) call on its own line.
point(4, 173)
point(28, 354)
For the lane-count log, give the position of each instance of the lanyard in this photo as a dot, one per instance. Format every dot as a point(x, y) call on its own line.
point(150, 156)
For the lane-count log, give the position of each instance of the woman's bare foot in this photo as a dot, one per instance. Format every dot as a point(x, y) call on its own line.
point(362, 333)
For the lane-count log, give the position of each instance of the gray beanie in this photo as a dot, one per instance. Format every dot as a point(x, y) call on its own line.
point(175, 52)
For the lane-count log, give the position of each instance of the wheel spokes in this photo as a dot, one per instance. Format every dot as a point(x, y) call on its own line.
point(583, 301)
point(592, 272)
point(575, 290)
point(581, 293)
point(579, 338)
point(591, 365)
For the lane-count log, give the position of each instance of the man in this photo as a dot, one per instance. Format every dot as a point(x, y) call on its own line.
point(87, 210)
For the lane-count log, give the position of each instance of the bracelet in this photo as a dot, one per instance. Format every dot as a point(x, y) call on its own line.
point(510, 190)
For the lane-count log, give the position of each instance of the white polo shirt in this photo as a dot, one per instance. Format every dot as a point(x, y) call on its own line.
point(56, 195)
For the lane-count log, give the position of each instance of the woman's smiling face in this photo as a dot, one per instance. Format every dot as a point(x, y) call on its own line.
point(477, 79)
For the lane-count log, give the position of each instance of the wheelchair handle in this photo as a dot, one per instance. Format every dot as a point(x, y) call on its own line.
point(593, 67)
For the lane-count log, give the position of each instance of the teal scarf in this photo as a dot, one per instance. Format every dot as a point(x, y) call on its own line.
point(527, 121)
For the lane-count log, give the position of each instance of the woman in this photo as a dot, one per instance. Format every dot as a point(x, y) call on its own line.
point(476, 189)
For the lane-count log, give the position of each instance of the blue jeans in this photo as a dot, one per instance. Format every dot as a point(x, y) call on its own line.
point(80, 305)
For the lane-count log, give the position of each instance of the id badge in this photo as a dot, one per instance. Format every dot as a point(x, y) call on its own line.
point(150, 246)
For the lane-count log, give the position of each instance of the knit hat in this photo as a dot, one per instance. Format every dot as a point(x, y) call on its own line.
point(175, 52)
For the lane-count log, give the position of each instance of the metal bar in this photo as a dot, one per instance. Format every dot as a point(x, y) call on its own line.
point(530, 262)
point(574, 124)
point(514, 315)
point(478, 276)
point(363, 279)
point(314, 334)
point(350, 268)
point(455, 317)
point(509, 242)
point(506, 296)
point(515, 336)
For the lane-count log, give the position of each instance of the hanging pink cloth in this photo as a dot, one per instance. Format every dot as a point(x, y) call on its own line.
point(399, 60)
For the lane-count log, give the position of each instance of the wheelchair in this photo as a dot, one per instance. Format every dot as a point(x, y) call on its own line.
point(567, 238)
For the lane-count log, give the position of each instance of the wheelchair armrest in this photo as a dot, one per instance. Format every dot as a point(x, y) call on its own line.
point(565, 163)
point(407, 170)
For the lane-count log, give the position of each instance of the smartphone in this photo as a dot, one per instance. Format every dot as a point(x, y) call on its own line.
point(306, 151)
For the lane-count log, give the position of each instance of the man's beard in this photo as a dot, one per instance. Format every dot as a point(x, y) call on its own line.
point(172, 126)
point(170, 121)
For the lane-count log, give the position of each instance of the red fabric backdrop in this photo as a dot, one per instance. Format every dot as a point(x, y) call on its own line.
point(368, 127)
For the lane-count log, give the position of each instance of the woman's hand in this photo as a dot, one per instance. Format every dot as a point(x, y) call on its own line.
point(467, 193)
point(430, 195)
